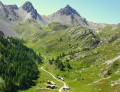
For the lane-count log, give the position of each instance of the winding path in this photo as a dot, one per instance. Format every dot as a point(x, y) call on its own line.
point(99, 80)
point(112, 60)
point(60, 90)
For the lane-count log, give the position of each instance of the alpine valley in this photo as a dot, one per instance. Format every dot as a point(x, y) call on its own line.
point(62, 52)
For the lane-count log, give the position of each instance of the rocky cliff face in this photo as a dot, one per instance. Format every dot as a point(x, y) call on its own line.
point(68, 10)
point(30, 12)
point(27, 6)
point(21, 14)
point(8, 10)
point(11, 10)
point(3, 10)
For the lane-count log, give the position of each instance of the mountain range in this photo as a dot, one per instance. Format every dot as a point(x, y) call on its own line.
point(16, 15)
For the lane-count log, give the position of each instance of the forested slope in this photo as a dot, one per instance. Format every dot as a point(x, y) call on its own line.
point(18, 65)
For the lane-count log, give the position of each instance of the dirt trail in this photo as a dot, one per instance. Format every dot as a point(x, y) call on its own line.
point(60, 90)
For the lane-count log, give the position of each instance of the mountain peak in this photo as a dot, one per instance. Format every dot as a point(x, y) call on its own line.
point(15, 6)
point(68, 10)
point(1, 4)
point(68, 6)
point(27, 6)
point(28, 2)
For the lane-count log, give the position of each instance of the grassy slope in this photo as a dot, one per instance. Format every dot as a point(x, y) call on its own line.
point(86, 65)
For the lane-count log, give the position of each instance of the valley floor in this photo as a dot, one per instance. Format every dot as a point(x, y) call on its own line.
point(42, 83)
point(90, 83)
point(60, 90)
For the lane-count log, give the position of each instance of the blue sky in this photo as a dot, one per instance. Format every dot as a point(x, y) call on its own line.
point(99, 11)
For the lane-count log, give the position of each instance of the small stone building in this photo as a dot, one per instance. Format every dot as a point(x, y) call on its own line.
point(51, 87)
point(51, 83)
point(66, 88)
point(60, 78)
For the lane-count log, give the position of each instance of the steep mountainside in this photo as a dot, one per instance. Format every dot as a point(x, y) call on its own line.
point(6, 30)
point(3, 10)
point(18, 65)
point(27, 11)
point(69, 16)
point(8, 12)
point(17, 15)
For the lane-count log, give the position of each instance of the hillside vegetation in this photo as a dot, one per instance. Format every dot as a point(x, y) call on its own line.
point(79, 55)
point(18, 65)
point(85, 55)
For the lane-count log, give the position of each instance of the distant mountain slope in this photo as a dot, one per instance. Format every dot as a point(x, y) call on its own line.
point(3, 10)
point(6, 30)
point(69, 16)
point(8, 12)
point(19, 15)
point(27, 11)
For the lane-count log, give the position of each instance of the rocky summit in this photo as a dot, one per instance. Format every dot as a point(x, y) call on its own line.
point(69, 16)
point(27, 6)
point(68, 10)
